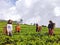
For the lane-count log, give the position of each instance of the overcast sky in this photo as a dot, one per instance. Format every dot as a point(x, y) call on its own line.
point(31, 11)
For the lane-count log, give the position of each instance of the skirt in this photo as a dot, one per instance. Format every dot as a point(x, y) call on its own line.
point(51, 32)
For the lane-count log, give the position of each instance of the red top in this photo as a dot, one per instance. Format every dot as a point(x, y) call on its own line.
point(18, 28)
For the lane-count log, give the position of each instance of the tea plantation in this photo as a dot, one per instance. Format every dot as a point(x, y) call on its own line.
point(29, 36)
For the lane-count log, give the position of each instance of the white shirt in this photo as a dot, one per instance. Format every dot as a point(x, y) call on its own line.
point(9, 27)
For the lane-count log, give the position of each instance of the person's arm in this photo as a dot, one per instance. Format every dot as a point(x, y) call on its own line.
point(11, 27)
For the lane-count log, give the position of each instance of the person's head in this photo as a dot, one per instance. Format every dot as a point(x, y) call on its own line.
point(36, 24)
point(9, 21)
point(50, 22)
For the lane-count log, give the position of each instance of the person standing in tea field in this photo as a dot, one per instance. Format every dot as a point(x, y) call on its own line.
point(38, 28)
point(9, 27)
point(18, 28)
point(51, 26)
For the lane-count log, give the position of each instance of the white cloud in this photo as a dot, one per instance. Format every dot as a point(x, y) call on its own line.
point(33, 20)
point(42, 8)
point(31, 11)
point(28, 3)
point(57, 11)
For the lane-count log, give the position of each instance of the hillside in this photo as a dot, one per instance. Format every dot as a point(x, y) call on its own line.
point(28, 36)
